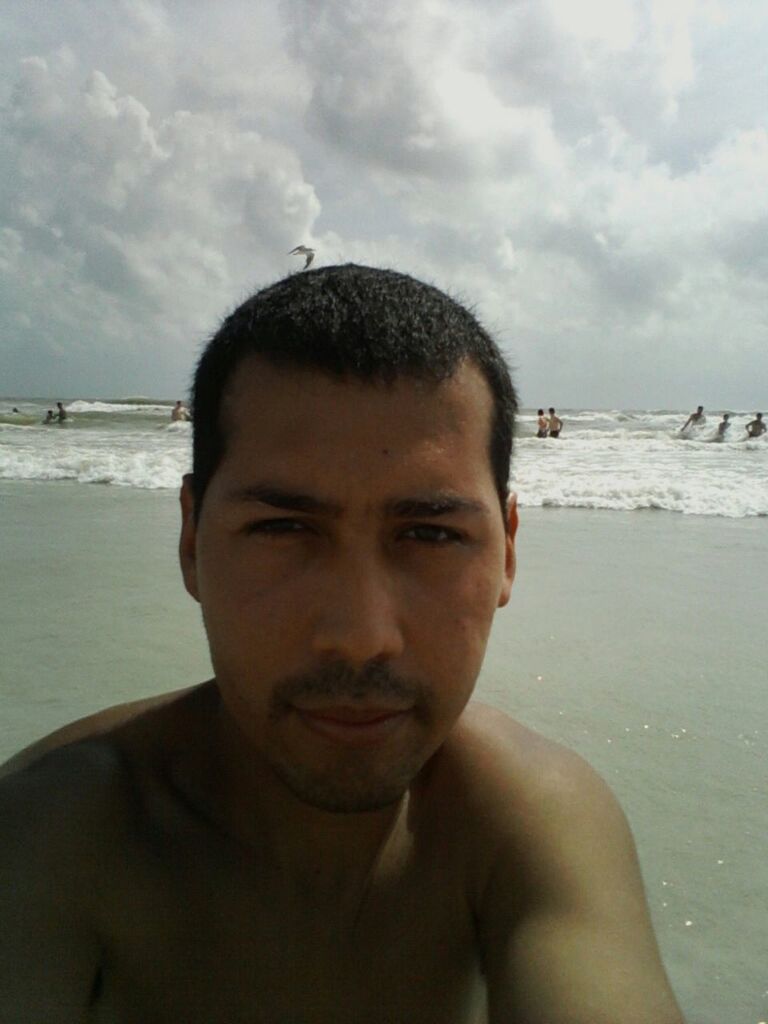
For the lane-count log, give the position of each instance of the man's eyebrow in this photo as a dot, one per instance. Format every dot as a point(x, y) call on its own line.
point(279, 497)
point(436, 505)
point(426, 507)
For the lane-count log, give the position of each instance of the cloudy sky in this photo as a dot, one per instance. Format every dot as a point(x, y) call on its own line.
point(590, 175)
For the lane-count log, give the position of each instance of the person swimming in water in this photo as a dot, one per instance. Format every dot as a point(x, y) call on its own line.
point(179, 412)
point(756, 428)
point(723, 427)
point(542, 424)
point(555, 423)
point(696, 419)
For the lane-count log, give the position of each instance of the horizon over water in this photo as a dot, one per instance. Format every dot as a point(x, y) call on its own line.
point(619, 460)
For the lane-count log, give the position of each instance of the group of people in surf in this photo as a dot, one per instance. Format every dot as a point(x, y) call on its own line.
point(548, 426)
point(755, 428)
point(55, 417)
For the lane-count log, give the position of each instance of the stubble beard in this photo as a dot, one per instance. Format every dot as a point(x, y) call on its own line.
point(353, 780)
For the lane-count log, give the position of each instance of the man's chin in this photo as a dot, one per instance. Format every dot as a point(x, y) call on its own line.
point(343, 796)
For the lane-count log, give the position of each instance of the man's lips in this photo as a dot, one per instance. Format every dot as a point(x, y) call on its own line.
point(351, 723)
point(352, 713)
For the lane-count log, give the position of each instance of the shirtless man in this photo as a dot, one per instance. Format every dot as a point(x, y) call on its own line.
point(723, 427)
point(329, 832)
point(555, 423)
point(178, 412)
point(696, 419)
point(756, 427)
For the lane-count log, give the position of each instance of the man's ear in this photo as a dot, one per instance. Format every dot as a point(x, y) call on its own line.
point(510, 562)
point(188, 538)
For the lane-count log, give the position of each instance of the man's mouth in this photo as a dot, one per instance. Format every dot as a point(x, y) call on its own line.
point(353, 723)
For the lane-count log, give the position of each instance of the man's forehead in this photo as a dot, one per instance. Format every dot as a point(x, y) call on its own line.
point(290, 386)
point(305, 437)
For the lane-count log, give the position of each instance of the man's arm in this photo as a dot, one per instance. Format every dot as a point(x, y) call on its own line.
point(49, 953)
point(564, 924)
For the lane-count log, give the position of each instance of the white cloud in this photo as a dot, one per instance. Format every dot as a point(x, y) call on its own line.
point(145, 227)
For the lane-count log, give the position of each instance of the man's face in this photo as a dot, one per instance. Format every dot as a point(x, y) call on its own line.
point(349, 557)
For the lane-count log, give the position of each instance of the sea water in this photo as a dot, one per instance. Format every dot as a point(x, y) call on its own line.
point(618, 460)
point(129, 443)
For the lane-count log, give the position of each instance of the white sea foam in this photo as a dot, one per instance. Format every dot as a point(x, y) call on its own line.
point(643, 469)
point(148, 456)
point(120, 408)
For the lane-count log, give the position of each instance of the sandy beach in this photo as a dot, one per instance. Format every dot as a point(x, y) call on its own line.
point(638, 638)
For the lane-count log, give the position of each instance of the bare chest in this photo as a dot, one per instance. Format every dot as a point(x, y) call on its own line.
point(197, 940)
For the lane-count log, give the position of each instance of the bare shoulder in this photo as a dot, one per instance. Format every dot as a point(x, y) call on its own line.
point(62, 790)
point(62, 819)
point(545, 813)
point(72, 799)
point(98, 725)
point(511, 770)
point(557, 892)
point(58, 818)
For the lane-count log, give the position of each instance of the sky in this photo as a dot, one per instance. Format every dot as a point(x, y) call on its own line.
point(589, 176)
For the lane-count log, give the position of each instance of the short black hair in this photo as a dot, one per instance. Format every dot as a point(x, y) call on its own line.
point(349, 321)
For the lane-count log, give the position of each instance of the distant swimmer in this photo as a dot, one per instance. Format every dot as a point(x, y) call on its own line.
point(696, 419)
point(723, 427)
point(542, 424)
point(179, 412)
point(49, 417)
point(555, 423)
point(62, 413)
point(15, 410)
point(303, 250)
point(756, 428)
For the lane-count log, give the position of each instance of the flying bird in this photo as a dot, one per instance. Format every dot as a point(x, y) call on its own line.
point(303, 250)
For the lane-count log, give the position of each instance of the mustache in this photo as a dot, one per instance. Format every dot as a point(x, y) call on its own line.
point(339, 680)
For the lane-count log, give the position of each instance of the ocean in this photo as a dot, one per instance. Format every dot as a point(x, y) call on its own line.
point(636, 633)
point(617, 460)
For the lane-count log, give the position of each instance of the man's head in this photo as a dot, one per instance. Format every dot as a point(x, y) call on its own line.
point(349, 554)
point(349, 322)
point(699, 408)
point(551, 411)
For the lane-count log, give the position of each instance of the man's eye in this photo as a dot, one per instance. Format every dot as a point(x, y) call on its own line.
point(432, 534)
point(276, 526)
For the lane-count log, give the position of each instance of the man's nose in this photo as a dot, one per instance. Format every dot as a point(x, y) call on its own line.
point(357, 612)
